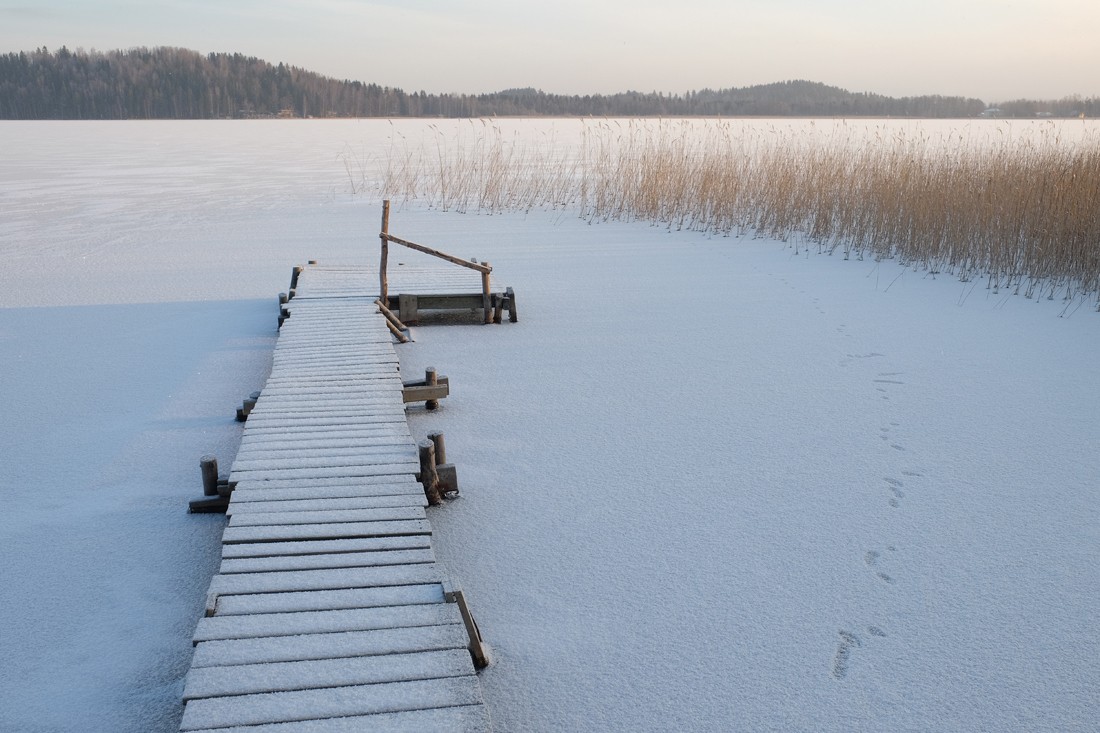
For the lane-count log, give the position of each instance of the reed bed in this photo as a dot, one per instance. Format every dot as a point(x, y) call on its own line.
point(1021, 211)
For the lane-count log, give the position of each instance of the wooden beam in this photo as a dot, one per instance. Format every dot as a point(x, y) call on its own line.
point(486, 294)
point(383, 283)
point(483, 268)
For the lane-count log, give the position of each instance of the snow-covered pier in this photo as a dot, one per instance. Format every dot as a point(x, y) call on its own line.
point(329, 612)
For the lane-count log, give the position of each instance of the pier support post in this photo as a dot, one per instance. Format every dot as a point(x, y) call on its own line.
point(446, 472)
point(215, 490)
point(429, 478)
point(209, 466)
point(383, 283)
point(486, 293)
point(430, 380)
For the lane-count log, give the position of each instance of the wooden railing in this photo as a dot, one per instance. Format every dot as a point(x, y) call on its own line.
point(383, 282)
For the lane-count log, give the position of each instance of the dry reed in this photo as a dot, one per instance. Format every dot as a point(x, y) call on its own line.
point(1022, 212)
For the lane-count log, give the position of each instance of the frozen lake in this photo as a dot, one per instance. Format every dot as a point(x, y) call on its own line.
point(708, 484)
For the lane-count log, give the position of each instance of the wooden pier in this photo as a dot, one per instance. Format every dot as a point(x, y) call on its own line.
point(329, 612)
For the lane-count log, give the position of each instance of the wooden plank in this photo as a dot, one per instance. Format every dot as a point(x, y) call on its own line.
point(390, 416)
point(220, 712)
point(367, 484)
point(464, 719)
point(398, 489)
point(325, 562)
point(321, 516)
point(245, 679)
point(283, 533)
point(328, 443)
point(247, 506)
point(330, 600)
point(313, 580)
point(323, 547)
point(318, 432)
point(322, 459)
point(319, 622)
point(380, 469)
point(328, 646)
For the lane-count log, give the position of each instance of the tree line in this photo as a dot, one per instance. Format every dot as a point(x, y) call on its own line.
point(174, 83)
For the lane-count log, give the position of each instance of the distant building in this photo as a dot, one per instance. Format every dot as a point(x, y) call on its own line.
point(992, 112)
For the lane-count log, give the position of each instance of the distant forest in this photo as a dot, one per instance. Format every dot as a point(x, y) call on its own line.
point(173, 83)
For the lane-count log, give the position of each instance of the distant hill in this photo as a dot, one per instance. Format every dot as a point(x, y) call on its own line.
point(174, 83)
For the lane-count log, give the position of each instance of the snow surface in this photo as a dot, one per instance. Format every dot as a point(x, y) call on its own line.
point(707, 483)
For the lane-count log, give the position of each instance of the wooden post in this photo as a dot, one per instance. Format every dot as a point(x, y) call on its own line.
point(486, 296)
point(440, 447)
point(383, 283)
point(209, 466)
point(430, 380)
point(429, 479)
point(513, 316)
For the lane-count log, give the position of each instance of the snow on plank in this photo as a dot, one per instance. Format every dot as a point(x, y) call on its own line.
point(284, 532)
point(330, 561)
point(246, 506)
point(330, 600)
point(326, 547)
point(314, 580)
point(359, 482)
point(211, 628)
point(394, 492)
point(464, 719)
point(392, 468)
point(311, 674)
point(321, 516)
point(327, 459)
point(329, 646)
point(331, 447)
point(275, 707)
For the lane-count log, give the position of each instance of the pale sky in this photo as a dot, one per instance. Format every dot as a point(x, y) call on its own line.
point(995, 51)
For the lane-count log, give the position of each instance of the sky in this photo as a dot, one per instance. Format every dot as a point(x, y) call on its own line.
point(993, 50)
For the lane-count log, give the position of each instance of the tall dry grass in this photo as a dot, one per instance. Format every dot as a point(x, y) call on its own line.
point(1021, 211)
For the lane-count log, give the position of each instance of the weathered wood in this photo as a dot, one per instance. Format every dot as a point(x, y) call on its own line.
point(332, 703)
point(389, 315)
point(440, 443)
point(324, 673)
point(486, 294)
point(344, 599)
point(407, 307)
point(464, 718)
point(252, 626)
point(428, 476)
point(482, 268)
point(208, 505)
point(513, 316)
point(329, 592)
point(477, 646)
point(209, 466)
point(383, 282)
point(325, 646)
point(398, 334)
point(431, 380)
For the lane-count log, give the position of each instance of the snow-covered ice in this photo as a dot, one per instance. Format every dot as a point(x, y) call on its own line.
point(707, 483)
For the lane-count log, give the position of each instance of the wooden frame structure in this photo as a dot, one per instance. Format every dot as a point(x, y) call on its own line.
point(409, 305)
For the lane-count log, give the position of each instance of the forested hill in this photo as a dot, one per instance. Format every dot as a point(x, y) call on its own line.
point(172, 83)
